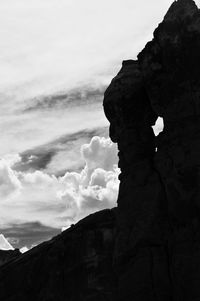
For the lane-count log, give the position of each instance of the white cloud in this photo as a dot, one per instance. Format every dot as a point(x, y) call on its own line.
point(9, 182)
point(10, 160)
point(96, 186)
point(58, 202)
point(45, 45)
point(100, 152)
point(24, 249)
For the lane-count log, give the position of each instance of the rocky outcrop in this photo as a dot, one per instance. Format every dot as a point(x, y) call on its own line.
point(170, 67)
point(170, 64)
point(141, 243)
point(158, 232)
point(74, 266)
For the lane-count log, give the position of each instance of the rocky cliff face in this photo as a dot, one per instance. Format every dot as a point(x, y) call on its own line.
point(170, 67)
point(148, 248)
point(157, 244)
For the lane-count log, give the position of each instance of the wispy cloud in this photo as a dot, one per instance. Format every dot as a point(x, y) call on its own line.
point(22, 131)
point(56, 58)
point(46, 46)
point(57, 156)
point(79, 96)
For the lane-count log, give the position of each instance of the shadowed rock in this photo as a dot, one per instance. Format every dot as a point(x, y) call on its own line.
point(141, 214)
point(74, 266)
point(158, 217)
point(170, 64)
point(7, 255)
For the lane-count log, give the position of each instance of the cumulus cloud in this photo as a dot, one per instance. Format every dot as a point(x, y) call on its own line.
point(59, 201)
point(96, 186)
point(9, 182)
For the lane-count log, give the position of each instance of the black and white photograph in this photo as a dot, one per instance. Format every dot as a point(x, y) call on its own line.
point(99, 150)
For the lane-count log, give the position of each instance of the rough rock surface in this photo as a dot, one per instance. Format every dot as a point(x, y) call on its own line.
point(74, 266)
point(148, 248)
point(7, 255)
point(170, 65)
point(158, 232)
point(140, 251)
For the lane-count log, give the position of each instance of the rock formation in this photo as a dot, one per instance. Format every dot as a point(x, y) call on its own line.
point(141, 211)
point(173, 87)
point(148, 248)
point(74, 266)
point(158, 248)
point(8, 255)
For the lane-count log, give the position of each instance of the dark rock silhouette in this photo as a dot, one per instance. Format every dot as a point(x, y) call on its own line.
point(141, 211)
point(157, 250)
point(75, 265)
point(8, 255)
point(148, 248)
point(170, 68)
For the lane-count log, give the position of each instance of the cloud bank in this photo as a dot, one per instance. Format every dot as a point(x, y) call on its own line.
point(29, 234)
point(60, 201)
point(59, 155)
point(46, 46)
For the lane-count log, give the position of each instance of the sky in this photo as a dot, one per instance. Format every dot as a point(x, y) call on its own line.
point(57, 163)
